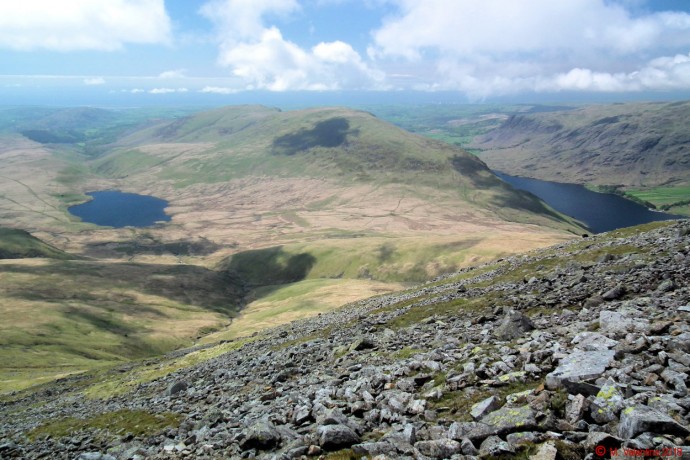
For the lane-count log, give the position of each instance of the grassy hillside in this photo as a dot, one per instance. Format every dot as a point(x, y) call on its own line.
point(328, 187)
point(344, 146)
point(307, 209)
point(19, 244)
point(63, 316)
point(641, 149)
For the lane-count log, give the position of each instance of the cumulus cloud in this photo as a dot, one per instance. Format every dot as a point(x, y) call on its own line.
point(664, 73)
point(94, 81)
point(498, 47)
point(70, 25)
point(167, 90)
point(264, 59)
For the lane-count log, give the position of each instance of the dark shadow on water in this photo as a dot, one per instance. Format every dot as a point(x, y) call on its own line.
point(328, 133)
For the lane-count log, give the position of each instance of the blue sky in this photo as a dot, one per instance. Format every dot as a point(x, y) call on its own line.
point(155, 50)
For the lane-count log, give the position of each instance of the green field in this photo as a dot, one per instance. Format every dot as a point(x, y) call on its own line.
point(672, 199)
point(455, 124)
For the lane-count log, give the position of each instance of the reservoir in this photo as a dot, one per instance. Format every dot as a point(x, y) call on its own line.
point(601, 212)
point(112, 208)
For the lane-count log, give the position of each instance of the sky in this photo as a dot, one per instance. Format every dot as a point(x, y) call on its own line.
point(157, 51)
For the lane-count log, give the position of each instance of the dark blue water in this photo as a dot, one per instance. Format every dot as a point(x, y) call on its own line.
point(113, 208)
point(601, 212)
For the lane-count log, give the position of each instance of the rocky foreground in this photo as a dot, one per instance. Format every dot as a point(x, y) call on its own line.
point(577, 351)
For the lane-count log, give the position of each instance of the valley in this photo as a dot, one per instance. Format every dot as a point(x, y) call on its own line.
point(637, 149)
point(275, 216)
point(327, 284)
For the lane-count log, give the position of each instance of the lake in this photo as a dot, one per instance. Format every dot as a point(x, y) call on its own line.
point(601, 212)
point(112, 208)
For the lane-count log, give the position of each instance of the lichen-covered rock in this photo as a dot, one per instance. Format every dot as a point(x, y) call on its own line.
point(614, 293)
point(510, 419)
point(546, 451)
point(333, 437)
point(363, 343)
point(482, 408)
point(580, 365)
point(261, 435)
point(177, 387)
point(639, 419)
point(514, 325)
point(373, 448)
point(438, 448)
point(593, 341)
point(608, 403)
point(493, 446)
point(575, 408)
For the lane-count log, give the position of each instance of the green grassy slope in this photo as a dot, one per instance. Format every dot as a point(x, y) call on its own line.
point(18, 244)
point(65, 316)
point(56, 323)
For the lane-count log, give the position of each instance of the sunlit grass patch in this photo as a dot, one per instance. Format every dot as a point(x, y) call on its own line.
point(109, 384)
point(119, 423)
point(275, 305)
point(675, 199)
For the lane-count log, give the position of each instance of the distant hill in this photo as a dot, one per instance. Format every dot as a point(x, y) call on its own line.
point(84, 129)
point(19, 244)
point(56, 125)
point(277, 179)
point(342, 145)
point(636, 146)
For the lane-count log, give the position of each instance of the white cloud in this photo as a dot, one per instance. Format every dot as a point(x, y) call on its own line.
point(178, 73)
point(94, 81)
point(238, 20)
point(665, 73)
point(500, 47)
point(167, 90)
point(218, 90)
point(264, 59)
point(70, 25)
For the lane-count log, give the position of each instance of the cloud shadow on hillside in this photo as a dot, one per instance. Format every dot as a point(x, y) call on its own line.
point(269, 267)
point(328, 133)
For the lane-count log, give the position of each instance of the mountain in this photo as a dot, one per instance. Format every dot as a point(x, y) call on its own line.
point(275, 216)
point(641, 148)
point(551, 354)
point(333, 183)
